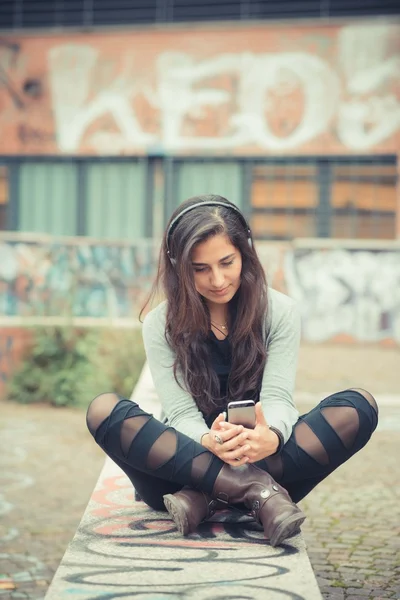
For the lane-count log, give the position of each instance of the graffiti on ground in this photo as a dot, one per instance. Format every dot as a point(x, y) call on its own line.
point(82, 280)
point(352, 292)
point(120, 538)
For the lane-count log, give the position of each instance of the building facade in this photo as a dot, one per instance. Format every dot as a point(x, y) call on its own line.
point(104, 131)
point(111, 116)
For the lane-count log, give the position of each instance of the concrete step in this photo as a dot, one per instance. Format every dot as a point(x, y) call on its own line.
point(123, 549)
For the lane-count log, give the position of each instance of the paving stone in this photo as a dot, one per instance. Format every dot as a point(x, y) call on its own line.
point(322, 566)
point(336, 594)
point(328, 589)
point(357, 591)
point(347, 568)
point(331, 575)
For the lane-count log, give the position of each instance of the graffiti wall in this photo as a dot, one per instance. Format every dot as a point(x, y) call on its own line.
point(80, 279)
point(264, 89)
point(351, 294)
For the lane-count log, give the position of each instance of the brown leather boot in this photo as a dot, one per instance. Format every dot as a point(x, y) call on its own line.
point(188, 508)
point(270, 503)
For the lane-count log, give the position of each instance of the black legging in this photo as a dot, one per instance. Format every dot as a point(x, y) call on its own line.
point(160, 460)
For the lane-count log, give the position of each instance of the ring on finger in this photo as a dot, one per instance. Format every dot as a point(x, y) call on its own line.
point(218, 439)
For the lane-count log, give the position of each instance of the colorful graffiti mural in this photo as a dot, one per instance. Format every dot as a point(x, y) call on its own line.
point(353, 293)
point(244, 90)
point(341, 292)
point(74, 279)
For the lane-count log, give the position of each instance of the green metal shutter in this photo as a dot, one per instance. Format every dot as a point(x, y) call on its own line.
point(116, 197)
point(201, 177)
point(48, 198)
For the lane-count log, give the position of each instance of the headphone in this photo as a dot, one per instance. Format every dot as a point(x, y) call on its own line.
point(205, 203)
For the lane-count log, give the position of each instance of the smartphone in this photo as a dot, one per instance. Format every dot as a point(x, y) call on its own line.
point(242, 412)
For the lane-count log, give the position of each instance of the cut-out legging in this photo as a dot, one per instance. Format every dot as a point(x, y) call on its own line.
point(160, 460)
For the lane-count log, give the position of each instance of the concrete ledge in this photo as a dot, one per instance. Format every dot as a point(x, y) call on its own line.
point(123, 549)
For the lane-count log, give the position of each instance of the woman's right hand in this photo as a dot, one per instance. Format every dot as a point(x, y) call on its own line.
point(233, 448)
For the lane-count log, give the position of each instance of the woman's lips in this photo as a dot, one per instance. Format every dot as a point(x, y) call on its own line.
point(221, 292)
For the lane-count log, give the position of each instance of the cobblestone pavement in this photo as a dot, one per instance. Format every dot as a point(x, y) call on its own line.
point(353, 525)
point(49, 466)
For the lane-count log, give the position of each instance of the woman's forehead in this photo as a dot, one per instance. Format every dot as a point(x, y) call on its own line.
point(213, 249)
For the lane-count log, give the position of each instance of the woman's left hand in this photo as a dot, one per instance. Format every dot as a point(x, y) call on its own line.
point(262, 440)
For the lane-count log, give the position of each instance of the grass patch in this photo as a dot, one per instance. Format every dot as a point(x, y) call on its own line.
point(338, 584)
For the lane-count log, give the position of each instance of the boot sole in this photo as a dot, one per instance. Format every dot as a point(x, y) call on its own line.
point(177, 514)
point(288, 528)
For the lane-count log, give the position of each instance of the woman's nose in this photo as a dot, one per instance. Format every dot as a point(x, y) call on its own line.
point(217, 278)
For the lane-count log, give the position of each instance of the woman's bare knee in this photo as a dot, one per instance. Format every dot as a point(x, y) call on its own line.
point(369, 397)
point(99, 409)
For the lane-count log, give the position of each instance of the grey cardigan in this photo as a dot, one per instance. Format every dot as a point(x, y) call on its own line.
point(179, 408)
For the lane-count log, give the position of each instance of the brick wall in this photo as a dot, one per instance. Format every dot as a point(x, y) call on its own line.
point(304, 88)
point(13, 343)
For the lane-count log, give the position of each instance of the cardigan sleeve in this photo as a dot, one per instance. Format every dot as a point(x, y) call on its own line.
point(279, 376)
point(178, 405)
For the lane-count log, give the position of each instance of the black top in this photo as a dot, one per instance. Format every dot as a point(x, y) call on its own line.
point(221, 361)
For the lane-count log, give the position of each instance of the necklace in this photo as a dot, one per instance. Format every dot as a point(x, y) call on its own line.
point(222, 329)
point(217, 325)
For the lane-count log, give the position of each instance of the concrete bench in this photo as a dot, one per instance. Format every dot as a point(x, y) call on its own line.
point(123, 549)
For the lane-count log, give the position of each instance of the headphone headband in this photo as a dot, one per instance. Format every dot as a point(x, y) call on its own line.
point(197, 205)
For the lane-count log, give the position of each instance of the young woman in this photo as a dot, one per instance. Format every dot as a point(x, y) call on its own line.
point(223, 335)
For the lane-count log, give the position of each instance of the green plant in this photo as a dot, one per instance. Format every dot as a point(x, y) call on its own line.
point(338, 584)
point(66, 366)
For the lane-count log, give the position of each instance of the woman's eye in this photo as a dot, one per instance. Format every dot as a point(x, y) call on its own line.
point(202, 269)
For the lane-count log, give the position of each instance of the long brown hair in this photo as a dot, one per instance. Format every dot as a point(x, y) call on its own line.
point(188, 319)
